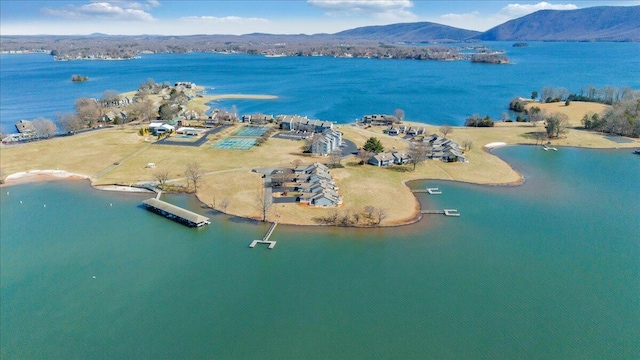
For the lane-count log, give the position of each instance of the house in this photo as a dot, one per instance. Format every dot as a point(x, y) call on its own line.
point(25, 127)
point(299, 123)
point(380, 120)
point(158, 128)
point(400, 158)
point(412, 131)
point(403, 129)
point(444, 149)
point(393, 130)
point(316, 186)
point(258, 119)
point(326, 142)
point(382, 159)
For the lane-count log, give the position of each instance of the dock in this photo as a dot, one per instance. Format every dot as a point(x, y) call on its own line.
point(430, 191)
point(175, 213)
point(265, 239)
point(546, 148)
point(445, 212)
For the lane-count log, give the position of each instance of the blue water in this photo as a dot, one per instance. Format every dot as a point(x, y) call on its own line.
point(546, 270)
point(322, 87)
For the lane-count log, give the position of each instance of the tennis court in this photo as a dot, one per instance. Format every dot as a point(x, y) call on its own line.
point(252, 131)
point(236, 143)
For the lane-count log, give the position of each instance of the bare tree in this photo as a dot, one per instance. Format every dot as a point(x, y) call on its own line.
point(44, 128)
point(334, 158)
point(88, 110)
point(369, 211)
point(505, 117)
point(418, 152)
point(224, 203)
point(557, 125)
point(110, 95)
point(467, 144)
point(161, 177)
point(70, 123)
point(445, 130)
point(264, 202)
point(364, 156)
point(194, 173)
point(380, 215)
point(142, 110)
point(399, 113)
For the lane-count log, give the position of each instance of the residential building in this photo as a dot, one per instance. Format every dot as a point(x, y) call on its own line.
point(326, 142)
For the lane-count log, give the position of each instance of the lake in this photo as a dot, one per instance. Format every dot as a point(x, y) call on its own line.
point(546, 270)
point(326, 88)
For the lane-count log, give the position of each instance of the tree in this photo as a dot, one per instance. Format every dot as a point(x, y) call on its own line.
point(556, 125)
point(364, 156)
point(418, 152)
point(373, 145)
point(536, 114)
point(334, 158)
point(445, 130)
point(110, 95)
point(505, 117)
point(467, 145)
point(264, 202)
point(70, 123)
point(194, 173)
point(161, 177)
point(399, 114)
point(224, 203)
point(44, 128)
point(534, 95)
point(168, 111)
point(142, 110)
point(88, 110)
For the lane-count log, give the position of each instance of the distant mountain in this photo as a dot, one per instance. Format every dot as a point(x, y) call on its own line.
point(603, 23)
point(409, 32)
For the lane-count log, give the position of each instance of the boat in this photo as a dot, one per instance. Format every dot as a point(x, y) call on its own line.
point(637, 152)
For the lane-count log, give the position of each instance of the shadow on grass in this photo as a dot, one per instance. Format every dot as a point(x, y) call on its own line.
point(400, 169)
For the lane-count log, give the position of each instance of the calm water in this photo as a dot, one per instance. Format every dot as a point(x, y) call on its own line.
point(546, 270)
point(326, 88)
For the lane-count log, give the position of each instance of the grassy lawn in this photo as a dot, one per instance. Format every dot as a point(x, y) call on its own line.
point(118, 155)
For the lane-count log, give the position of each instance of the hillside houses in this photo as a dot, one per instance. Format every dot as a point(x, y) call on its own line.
point(326, 142)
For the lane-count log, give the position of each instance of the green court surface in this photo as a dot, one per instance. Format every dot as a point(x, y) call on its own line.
point(235, 143)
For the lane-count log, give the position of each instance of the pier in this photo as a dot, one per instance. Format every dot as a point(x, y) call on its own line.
point(430, 191)
point(265, 239)
point(175, 213)
point(546, 148)
point(445, 212)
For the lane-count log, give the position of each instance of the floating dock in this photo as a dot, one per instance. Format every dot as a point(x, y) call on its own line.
point(430, 191)
point(546, 148)
point(445, 212)
point(175, 213)
point(265, 239)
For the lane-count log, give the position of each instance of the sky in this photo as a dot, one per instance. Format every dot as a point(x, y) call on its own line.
point(236, 17)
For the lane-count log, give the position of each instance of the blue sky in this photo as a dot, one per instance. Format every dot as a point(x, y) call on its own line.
point(131, 17)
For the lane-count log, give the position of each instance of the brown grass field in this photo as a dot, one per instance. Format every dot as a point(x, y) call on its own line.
point(120, 156)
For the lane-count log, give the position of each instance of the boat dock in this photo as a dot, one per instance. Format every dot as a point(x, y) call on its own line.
point(430, 191)
point(265, 239)
point(445, 212)
point(546, 148)
point(175, 213)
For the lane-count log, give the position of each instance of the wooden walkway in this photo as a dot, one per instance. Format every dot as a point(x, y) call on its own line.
point(265, 239)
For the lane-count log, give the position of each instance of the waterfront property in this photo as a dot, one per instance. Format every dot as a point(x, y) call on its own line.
point(312, 184)
point(299, 123)
point(444, 149)
point(175, 213)
point(389, 158)
point(326, 142)
point(379, 120)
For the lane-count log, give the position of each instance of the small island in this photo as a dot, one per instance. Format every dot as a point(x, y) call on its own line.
point(79, 78)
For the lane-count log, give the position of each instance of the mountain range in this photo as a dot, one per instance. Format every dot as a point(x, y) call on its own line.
point(603, 23)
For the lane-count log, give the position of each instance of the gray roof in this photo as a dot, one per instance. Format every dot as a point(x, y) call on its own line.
point(176, 210)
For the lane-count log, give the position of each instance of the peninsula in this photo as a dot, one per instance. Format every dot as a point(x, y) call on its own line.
point(231, 179)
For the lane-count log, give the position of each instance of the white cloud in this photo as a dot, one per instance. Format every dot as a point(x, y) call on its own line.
point(130, 11)
point(477, 21)
point(387, 10)
point(518, 10)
